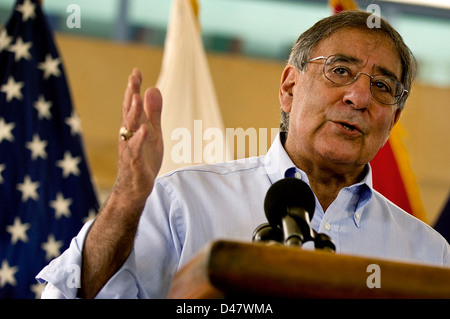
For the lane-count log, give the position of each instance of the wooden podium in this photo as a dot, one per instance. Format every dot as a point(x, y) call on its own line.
point(227, 268)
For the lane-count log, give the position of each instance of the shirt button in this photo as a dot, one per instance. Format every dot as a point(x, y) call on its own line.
point(357, 216)
point(327, 226)
point(298, 175)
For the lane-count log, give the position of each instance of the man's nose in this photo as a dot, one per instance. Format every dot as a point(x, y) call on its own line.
point(358, 93)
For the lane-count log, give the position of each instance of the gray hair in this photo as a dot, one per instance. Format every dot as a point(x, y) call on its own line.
point(300, 52)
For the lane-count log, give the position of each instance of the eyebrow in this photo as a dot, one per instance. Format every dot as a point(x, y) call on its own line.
point(347, 57)
point(385, 71)
point(378, 68)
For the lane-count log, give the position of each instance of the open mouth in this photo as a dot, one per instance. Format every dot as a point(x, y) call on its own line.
point(349, 128)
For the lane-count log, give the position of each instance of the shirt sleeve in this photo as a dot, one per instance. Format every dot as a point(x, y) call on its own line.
point(63, 275)
point(148, 270)
point(446, 257)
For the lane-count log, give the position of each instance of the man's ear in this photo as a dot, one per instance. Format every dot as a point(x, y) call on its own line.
point(398, 112)
point(288, 80)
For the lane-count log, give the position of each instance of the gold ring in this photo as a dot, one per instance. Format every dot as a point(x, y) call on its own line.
point(125, 134)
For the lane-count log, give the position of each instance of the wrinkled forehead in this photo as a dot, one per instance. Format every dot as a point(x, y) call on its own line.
point(368, 48)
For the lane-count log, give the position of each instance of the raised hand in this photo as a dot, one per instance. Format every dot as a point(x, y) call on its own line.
point(141, 151)
point(111, 237)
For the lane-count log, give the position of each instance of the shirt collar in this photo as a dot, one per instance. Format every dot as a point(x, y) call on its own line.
point(279, 165)
point(277, 161)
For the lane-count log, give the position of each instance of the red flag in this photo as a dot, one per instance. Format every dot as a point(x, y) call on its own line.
point(394, 177)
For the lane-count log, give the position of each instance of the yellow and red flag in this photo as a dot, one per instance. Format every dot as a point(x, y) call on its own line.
point(341, 5)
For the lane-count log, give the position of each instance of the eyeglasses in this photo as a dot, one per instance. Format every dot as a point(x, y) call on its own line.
point(342, 71)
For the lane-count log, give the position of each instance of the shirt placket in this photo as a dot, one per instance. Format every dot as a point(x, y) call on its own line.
point(332, 218)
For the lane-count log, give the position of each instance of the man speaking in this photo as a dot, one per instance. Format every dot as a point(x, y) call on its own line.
point(341, 92)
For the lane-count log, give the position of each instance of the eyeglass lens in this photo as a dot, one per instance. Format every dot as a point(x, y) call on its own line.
point(342, 71)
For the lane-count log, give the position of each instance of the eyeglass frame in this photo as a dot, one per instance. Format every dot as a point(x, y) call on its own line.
point(355, 78)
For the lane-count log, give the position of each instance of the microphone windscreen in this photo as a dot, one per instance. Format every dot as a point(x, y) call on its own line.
point(287, 193)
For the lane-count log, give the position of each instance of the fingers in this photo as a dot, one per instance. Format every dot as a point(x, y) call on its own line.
point(138, 112)
point(144, 117)
point(133, 87)
point(153, 107)
point(140, 155)
point(134, 117)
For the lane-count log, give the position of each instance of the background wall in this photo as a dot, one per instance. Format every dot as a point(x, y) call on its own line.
point(247, 90)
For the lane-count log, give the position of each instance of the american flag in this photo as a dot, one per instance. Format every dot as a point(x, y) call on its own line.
point(46, 192)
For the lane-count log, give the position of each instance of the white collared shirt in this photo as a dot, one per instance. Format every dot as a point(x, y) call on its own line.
point(191, 207)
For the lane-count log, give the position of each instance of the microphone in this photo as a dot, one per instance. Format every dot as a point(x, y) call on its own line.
point(265, 233)
point(289, 206)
